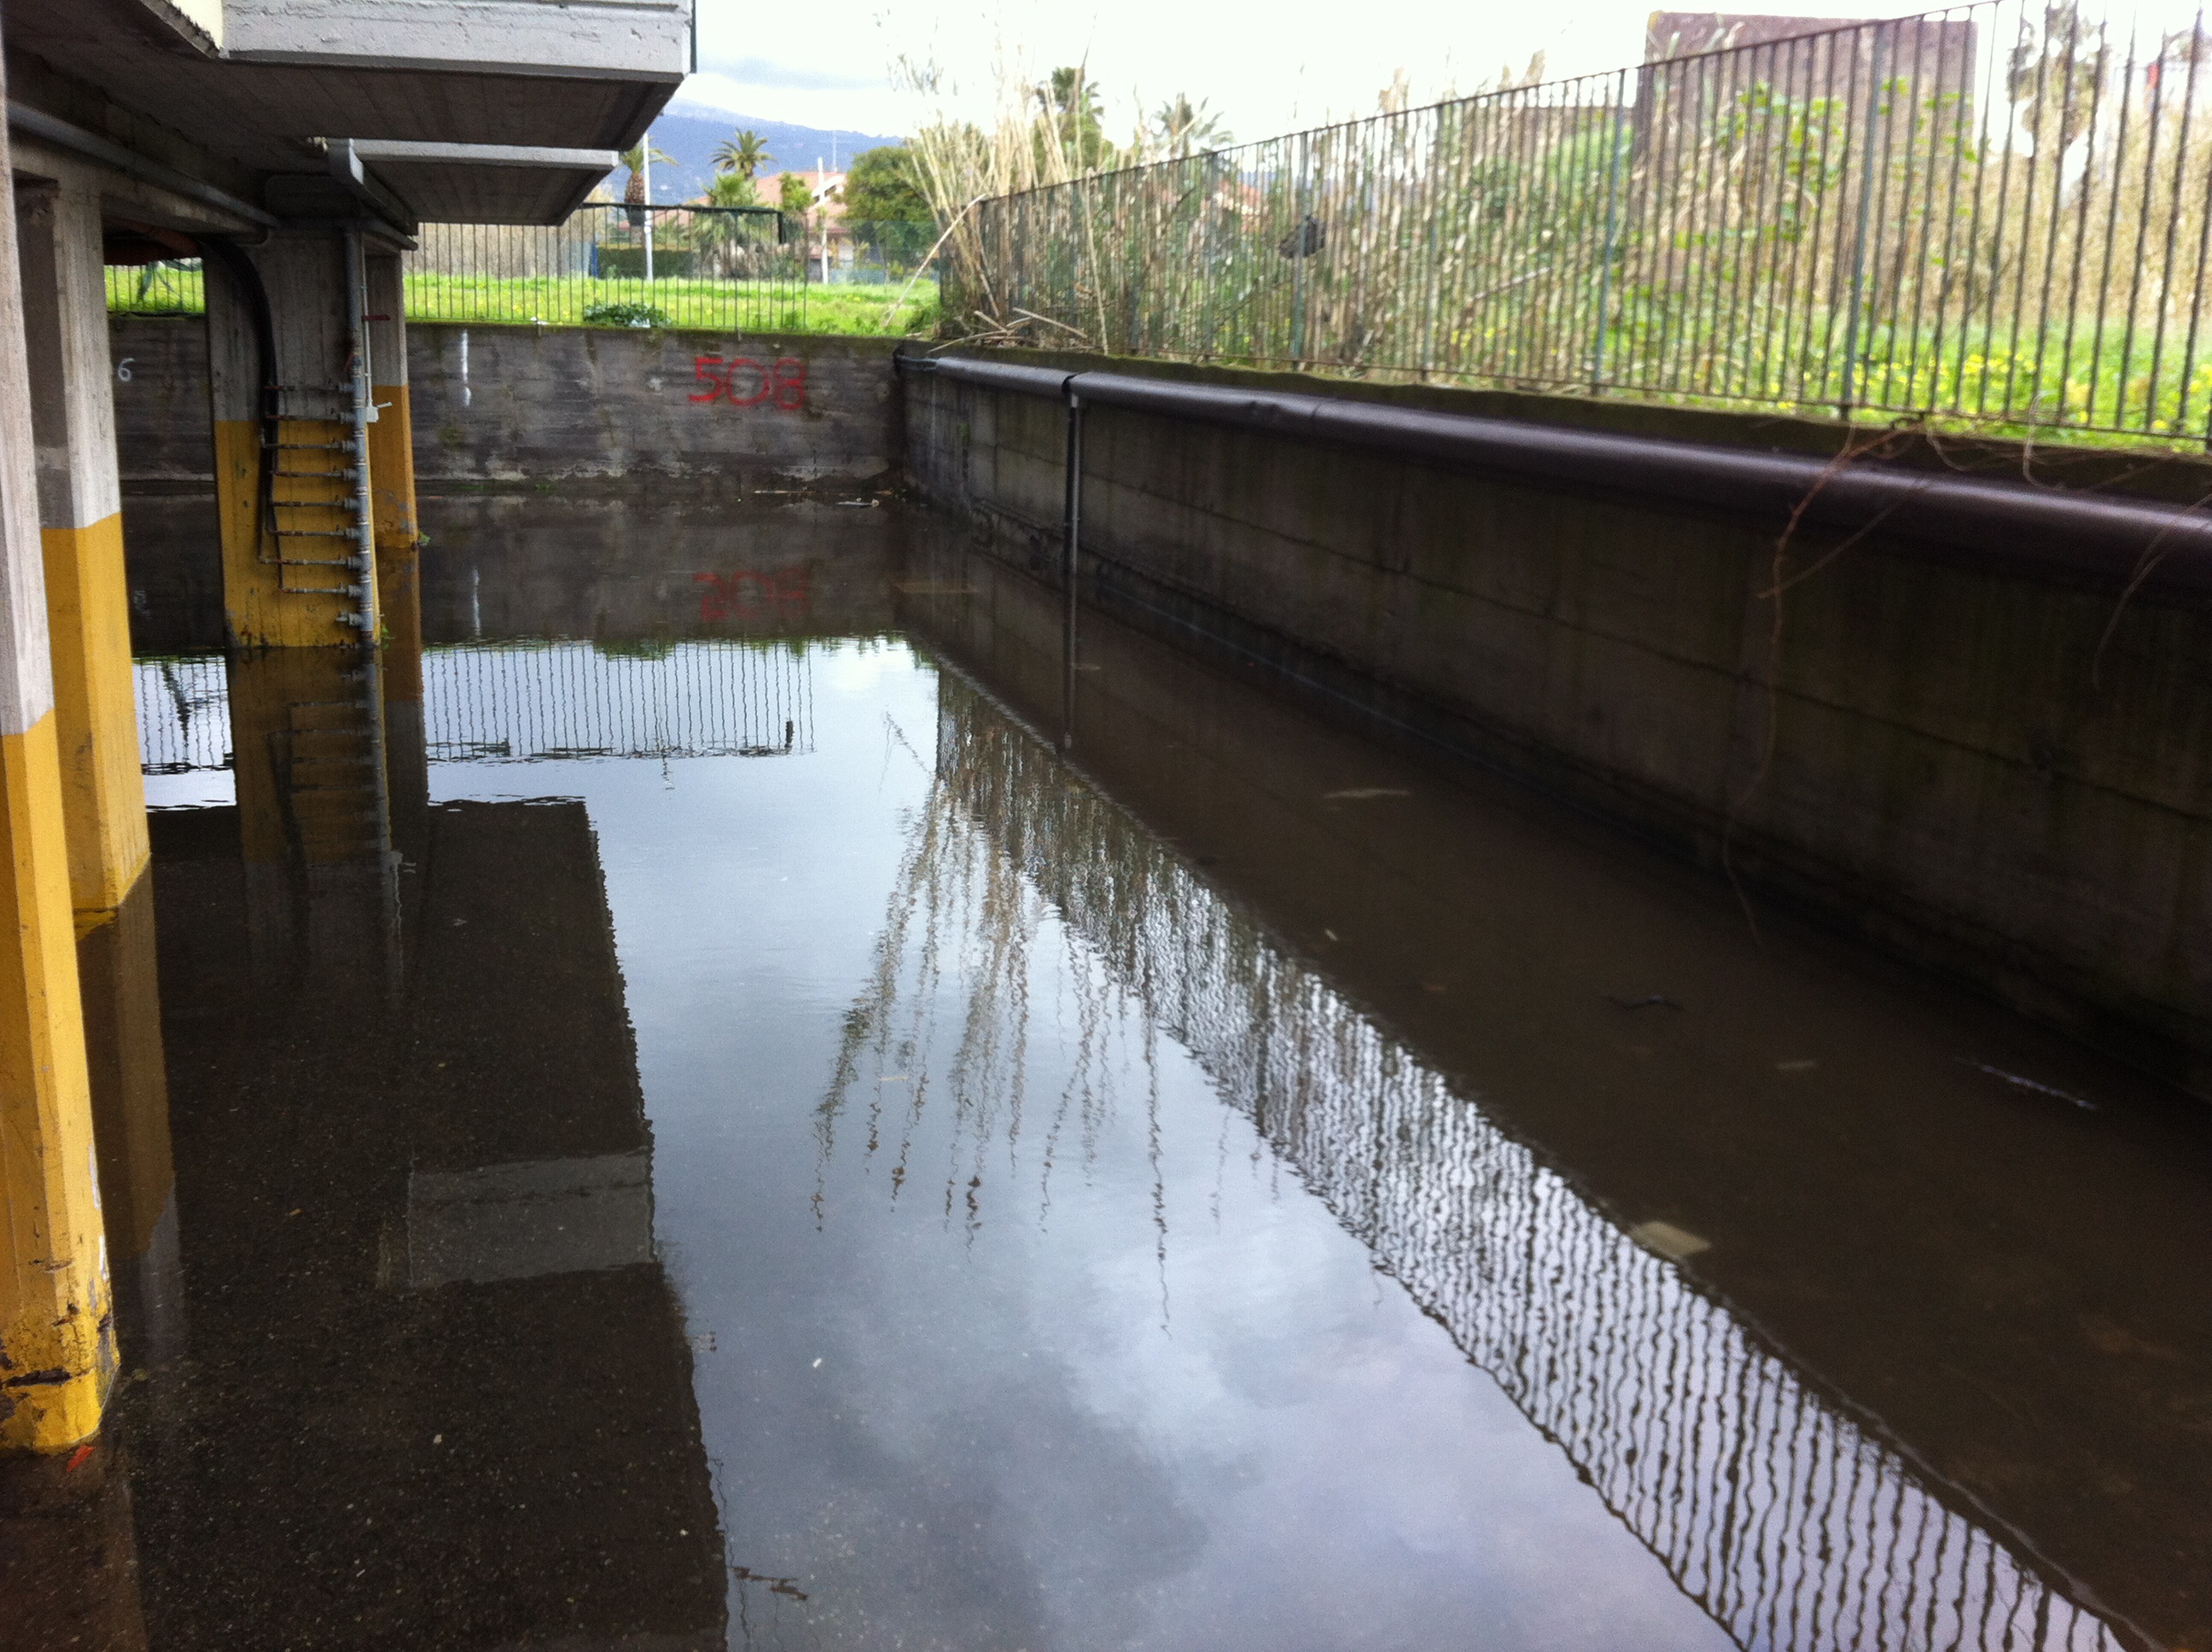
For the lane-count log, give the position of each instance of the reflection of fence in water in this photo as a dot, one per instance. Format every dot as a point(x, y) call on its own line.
point(577, 700)
point(1775, 1512)
point(184, 713)
point(507, 703)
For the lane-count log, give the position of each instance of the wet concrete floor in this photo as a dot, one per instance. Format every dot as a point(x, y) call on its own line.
point(766, 1127)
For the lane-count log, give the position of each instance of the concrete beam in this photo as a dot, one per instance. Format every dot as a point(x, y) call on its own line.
point(648, 40)
point(52, 130)
point(482, 182)
point(196, 24)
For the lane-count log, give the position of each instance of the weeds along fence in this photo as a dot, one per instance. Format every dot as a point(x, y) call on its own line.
point(1994, 214)
point(742, 268)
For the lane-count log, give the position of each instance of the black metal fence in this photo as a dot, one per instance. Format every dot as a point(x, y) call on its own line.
point(740, 268)
point(1995, 213)
point(736, 268)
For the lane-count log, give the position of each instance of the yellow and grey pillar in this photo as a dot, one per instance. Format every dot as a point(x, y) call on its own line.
point(56, 1336)
point(80, 513)
point(96, 727)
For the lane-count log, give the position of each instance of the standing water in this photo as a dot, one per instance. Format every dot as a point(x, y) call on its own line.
point(780, 1130)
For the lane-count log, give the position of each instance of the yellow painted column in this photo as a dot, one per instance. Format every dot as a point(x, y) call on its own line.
point(80, 510)
point(96, 730)
point(119, 976)
point(57, 1337)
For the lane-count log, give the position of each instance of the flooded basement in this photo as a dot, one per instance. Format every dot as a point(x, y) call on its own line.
point(769, 1126)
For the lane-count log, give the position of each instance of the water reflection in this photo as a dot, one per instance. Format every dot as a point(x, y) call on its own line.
point(523, 702)
point(432, 1363)
point(1767, 1504)
point(1030, 1296)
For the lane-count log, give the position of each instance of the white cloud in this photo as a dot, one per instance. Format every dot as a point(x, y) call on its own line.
point(1265, 70)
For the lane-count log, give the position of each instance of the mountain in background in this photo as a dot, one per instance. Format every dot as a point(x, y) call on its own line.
point(691, 132)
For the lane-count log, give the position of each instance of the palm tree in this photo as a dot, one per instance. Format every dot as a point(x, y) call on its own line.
point(1070, 119)
point(1188, 129)
point(733, 189)
point(634, 195)
point(743, 154)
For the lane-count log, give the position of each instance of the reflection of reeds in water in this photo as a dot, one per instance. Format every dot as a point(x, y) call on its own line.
point(1779, 1514)
point(966, 926)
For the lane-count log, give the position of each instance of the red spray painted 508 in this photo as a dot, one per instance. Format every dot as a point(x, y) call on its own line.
point(743, 382)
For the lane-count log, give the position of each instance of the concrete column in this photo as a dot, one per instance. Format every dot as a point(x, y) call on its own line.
point(96, 724)
point(80, 508)
point(285, 593)
point(120, 979)
point(56, 1336)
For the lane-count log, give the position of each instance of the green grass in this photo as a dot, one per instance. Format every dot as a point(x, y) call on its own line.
point(782, 306)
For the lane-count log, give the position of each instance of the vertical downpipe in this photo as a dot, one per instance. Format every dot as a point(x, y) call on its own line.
point(358, 376)
point(1069, 553)
point(1299, 253)
point(645, 170)
point(357, 391)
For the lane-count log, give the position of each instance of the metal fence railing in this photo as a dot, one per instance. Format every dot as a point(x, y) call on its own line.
point(740, 269)
point(495, 702)
point(735, 267)
point(1994, 213)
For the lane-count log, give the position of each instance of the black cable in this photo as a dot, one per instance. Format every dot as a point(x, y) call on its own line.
point(241, 271)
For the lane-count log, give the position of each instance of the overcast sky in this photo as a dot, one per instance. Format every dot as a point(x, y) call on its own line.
point(1266, 69)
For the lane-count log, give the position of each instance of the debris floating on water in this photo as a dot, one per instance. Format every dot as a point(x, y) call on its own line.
point(2019, 1082)
point(1665, 1239)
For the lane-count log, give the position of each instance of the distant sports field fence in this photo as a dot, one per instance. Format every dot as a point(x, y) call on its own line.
point(741, 269)
point(1994, 214)
point(735, 267)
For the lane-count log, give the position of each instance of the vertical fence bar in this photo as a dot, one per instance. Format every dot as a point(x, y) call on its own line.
point(1609, 253)
point(1858, 238)
point(1296, 243)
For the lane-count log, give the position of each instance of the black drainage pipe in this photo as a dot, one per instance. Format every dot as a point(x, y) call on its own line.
point(2102, 537)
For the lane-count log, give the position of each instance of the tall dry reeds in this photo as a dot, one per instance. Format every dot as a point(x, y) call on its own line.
point(1043, 132)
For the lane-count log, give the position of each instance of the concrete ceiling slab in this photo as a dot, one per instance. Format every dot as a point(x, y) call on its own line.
point(463, 184)
point(528, 73)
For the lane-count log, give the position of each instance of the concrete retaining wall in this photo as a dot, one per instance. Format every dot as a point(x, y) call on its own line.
point(521, 404)
point(1935, 756)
